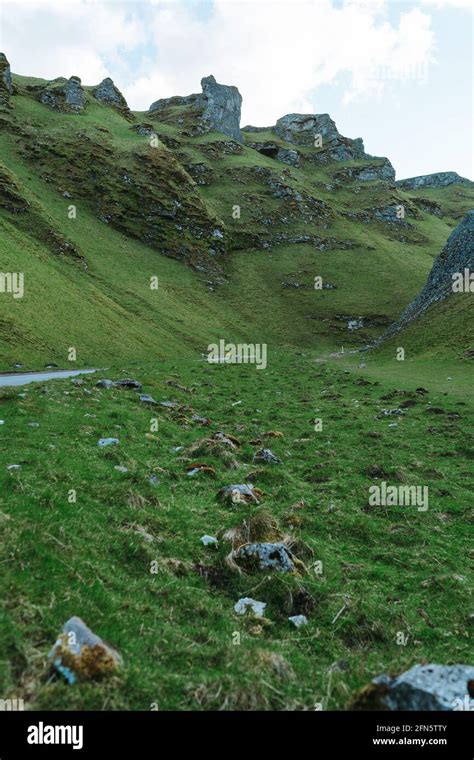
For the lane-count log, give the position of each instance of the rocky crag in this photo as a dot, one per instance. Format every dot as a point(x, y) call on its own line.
point(216, 108)
point(456, 257)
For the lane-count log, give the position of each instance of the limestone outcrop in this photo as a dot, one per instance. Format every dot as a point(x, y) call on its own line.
point(218, 108)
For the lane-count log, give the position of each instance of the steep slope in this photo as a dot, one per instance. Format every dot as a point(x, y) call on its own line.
point(95, 201)
point(449, 276)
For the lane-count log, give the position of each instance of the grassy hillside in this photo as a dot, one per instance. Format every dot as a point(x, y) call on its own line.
point(235, 239)
point(85, 274)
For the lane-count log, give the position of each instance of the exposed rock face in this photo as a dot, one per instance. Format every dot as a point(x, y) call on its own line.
point(272, 150)
point(319, 131)
point(217, 107)
point(440, 179)
point(301, 129)
point(64, 95)
point(108, 93)
point(422, 688)
point(222, 107)
point(456, 256)
point(6, 85)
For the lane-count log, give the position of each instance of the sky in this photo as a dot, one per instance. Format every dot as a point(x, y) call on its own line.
point(398, 73)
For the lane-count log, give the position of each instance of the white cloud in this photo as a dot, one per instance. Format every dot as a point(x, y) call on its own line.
point(50, 38)
point(463, 4)
point(278, 53)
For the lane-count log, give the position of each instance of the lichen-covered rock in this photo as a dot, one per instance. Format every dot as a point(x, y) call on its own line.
point(247, 604)
point(265, 556)
point(217, 108)
point(439, 179)
point(242, 493)
point(64, 95)
point(79, 654)
point(267, 456)
point(6, 84)
point(422, 688)
point(456, 256)
point(302, 128)
point(107, 92)
point(222, 107)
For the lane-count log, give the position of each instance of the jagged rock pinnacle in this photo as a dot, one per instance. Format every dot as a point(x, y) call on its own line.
point(6, 85)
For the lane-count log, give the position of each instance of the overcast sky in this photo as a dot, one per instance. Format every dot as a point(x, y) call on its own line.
point(396, 73)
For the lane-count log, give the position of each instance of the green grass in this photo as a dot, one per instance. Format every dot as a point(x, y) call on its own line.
point(389, 569)
point(175, 629)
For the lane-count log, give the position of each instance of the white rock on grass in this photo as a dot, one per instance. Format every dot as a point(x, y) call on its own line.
point(246, 604)
point(13, 466)
point(298, 620)
point(108, 442)
point(209, 540)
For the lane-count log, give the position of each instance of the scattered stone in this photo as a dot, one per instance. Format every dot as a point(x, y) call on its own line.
point(247, 604)
point(145, 398)
point(2, 422)
point(105, 384)
point(79, 654)
point(265, 556)
point(120, 468)
point(204, 421)
point(242, 493)
point(389, 412)
point(153, 480)
point(198, 467)
point(298, 620)
point(133, 384)
point(13, 466)
point(209, 541)
point(266, 455)
point(108, 442)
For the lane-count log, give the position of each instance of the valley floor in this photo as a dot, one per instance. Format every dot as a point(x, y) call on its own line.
point(382, 587)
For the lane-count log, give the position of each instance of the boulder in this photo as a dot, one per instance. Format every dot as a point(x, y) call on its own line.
point(422, 688)
point(79, 654)
point(265, 556)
